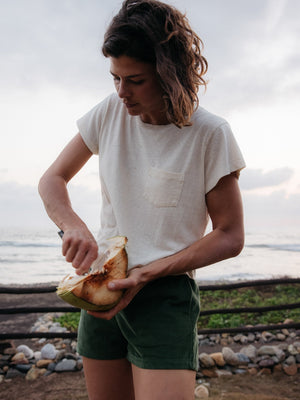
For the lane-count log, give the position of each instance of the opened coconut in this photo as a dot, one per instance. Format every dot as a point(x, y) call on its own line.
point(90, 291)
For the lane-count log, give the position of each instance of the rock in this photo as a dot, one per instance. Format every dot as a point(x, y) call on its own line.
point(201, 392)
point(43, 363)
point(24, 368)
point(206, 360)
point(252, 371)
point(290, 360)
point(265, 371)
point(251, 337)
point(292, 350)
point(267, 336)
point(19, 358)
point(280, 336)
point(66, 365)
point(35, 373)
point(13, 373)
point(243, 359)
point(37, 355)
point(210, 373)
point(267, 363)
point(249, 351)
point(267, 350)
point(48, 352)
point(223, 372)
point(290, 369)
point(240, 371)
point(229, 356)
point(218, 359)
point(26, 350)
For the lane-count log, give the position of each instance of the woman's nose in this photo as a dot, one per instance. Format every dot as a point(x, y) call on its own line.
point(123, 90)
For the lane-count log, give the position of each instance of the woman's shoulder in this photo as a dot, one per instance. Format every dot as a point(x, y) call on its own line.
point(206, 120)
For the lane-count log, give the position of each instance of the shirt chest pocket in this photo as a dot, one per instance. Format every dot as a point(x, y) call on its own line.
point(163, 188)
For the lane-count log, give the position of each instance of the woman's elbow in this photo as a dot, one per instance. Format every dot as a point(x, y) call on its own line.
point(237, 244)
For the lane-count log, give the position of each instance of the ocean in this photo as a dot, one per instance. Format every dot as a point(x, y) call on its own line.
point(31, 257)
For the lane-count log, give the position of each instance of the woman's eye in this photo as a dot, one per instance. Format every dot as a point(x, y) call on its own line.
point(138, 82)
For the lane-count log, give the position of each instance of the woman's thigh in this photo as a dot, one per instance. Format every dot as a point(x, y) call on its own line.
point(108, 379)
point(157, 384)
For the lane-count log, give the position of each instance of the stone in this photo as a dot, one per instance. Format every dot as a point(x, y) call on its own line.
point(48, 352)
point(24, 368)
point(223, 372)
point(206, 360)
point(285, 332)
point(35, 373)
point(201, 392)
point(43, 363)
point(19, 358)
point(267, 336)
point(26, 350)
point(13, 373)
point(249, 351)
point(267, 350)
point(292, 350)
point(240, 371)
point(290, 369)
point(66, 365)
point(290, 360)
point(251, 337)
point(243, 359)
point(218, 359)
point(265, 371)
point(229, 356)
point(209, 373)
point(252, 371)
point(280, 336)
point(37, 355)
point(267, 363)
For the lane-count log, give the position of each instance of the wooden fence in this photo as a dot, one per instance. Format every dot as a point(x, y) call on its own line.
point(228, 286)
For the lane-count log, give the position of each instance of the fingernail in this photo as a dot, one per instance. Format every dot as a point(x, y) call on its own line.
point(111, 285)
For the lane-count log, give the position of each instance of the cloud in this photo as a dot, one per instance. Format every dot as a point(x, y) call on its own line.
point(21, 206)
point(276, 210)
point(257, 178)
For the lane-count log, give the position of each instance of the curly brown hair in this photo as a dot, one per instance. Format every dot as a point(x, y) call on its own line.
point(157, 33)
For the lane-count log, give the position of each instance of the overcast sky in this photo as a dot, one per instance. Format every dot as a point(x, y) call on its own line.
point(52, 72)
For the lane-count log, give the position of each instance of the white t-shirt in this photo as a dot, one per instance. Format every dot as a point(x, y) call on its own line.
point(154, 178)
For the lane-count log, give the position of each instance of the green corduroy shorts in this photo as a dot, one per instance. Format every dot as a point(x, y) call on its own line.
point(157, 330)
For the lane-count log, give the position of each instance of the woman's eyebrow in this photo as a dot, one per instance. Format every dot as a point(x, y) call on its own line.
point(128, 76)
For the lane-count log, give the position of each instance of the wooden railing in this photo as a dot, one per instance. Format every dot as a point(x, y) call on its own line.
point(228, 286)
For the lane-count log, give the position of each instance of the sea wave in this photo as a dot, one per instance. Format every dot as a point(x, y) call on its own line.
point(279, 247)
point(9, 243)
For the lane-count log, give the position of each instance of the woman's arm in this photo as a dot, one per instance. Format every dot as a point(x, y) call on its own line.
point(79, 245)
point(226, 240)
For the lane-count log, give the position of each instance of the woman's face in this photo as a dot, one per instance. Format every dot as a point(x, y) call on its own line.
point(137, 85)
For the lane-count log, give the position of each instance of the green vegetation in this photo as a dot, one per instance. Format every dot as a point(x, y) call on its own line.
point(261, 296)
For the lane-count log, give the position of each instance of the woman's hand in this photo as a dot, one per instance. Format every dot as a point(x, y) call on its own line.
point(79, 248)
point(132, 285)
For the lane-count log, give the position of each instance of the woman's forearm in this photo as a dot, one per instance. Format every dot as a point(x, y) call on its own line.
point(54, 193)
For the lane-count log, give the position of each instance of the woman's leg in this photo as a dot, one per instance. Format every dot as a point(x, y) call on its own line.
point(157, 384)
point(108, 379)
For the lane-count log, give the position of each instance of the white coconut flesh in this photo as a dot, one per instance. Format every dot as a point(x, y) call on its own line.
point(90, 292)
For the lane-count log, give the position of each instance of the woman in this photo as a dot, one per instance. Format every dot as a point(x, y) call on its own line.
point(165, 165)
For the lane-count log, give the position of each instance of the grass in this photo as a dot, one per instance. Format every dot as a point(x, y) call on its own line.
point(261, 296)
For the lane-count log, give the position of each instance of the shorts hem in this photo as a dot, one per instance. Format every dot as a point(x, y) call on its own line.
point(162, 363)
point(101, 357)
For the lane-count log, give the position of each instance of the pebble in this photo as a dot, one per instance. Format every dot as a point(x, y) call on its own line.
point(256, 355)
point(26, 351)
point(49, 352)
point(201, 392)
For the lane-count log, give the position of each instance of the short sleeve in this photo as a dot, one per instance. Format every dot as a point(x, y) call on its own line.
point(222, 156)
point(91, 123)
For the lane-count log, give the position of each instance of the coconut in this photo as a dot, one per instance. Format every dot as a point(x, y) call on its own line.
point(90, 292)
